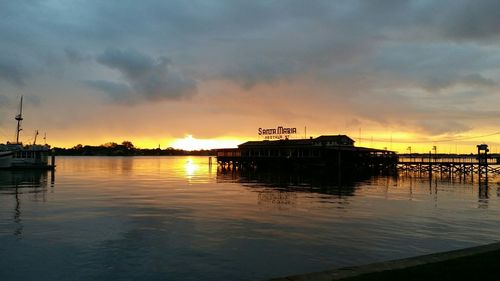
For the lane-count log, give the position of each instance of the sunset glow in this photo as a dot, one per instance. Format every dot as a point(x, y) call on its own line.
point(379, 82)
point(190, 143)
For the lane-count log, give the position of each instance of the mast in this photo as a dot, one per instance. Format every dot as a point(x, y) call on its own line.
point(19, 118)
point(36, 134)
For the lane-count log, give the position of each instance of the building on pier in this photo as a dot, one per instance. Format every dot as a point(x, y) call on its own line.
point(332, 151)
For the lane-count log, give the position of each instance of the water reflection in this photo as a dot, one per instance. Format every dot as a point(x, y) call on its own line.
point(484, 186)
point(191, 167)
point(294, 182)
point(20, 184)
point(23, 178)
point(483, 195)
point(282, 190)
point(176, 218)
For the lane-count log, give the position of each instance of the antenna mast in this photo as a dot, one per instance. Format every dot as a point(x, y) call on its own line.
point(36, 134)
point(19, 118)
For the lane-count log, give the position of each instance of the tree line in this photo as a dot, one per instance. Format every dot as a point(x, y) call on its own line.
point(126, 148)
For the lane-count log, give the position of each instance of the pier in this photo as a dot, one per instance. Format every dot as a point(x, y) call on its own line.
point(480, 164)
point(336, 152)
point(446, 163)
point(339, 153)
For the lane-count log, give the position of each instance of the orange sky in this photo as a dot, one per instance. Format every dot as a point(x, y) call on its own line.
point(211, 120)
point(207, 74)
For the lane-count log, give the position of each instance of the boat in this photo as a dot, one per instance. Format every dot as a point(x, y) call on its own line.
point(18, 156)
point(25, 156)
point(6, 159)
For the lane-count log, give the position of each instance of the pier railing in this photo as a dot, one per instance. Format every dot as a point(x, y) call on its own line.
point(458, 159)
point(480, 164)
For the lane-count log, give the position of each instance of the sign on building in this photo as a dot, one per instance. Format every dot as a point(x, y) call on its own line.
point(277, 133)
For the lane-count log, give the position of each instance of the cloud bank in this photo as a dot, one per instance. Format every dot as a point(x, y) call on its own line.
point(397, 64)
point(144, 78)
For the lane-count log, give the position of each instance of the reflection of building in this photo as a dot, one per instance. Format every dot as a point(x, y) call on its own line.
point(282, 189)
point(281, 198)
point(288, 181)
point(325, 151)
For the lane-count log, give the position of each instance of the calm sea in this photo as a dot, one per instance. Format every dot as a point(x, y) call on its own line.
point(176, 218)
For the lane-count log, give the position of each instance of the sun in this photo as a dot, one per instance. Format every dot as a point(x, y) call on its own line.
point(190, 143)
point(187, 143)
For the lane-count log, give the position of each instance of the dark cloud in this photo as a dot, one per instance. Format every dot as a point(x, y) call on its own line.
point(471, 20)
point(75, 56)
point(435, 67)
point(5, 101)
point(440, 127)
point(145, 78)
point(264, 70)
point(476, 79)
point(387, 61)
point(444, 81)
point(12, 71)
point(117, 91)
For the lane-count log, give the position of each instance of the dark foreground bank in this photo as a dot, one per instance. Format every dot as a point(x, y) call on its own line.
point(477, 263)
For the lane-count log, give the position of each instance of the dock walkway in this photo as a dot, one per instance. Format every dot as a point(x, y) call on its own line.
point(450, 164)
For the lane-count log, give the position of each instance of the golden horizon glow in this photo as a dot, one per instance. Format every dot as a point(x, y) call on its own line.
point(190, 143)
point(401, 142)
point(243, 124)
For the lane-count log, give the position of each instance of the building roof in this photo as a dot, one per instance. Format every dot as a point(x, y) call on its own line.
point(312, 142)
point(334, 138)
point(297, 142)
point(285, 142)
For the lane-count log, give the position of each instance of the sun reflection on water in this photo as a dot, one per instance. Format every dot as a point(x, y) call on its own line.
point(191, 168)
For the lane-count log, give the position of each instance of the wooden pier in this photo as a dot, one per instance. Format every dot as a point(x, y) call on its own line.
point(328, 152)
point(452, 165)
point(339, 153)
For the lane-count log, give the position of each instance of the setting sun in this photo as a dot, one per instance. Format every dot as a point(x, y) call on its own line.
point(190, 143)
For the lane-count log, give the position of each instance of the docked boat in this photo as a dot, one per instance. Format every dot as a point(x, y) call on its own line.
point(19, 156)
point(6, 159)
point(25, 156)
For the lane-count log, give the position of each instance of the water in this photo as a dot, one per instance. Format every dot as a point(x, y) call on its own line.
point(173, 218)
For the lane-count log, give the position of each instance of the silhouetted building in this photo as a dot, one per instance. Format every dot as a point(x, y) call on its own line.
point(324, 151)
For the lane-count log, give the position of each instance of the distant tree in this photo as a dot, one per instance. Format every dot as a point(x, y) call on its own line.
point(128, 145)
point(110, 145)
point(78, 146)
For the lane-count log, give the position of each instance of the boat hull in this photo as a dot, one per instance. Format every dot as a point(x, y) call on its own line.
point(6, 159)
point(15, 156)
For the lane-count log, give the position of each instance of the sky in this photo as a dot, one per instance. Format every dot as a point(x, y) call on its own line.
point(203, 74)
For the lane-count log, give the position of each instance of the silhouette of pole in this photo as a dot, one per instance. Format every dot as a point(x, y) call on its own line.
point(19, 118)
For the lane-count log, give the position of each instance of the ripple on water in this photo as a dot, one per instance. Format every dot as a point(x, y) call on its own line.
point(174, 218)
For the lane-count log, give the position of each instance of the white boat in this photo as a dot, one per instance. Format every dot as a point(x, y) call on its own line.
point(17, 155)
point(28, 156)
point(6, 159)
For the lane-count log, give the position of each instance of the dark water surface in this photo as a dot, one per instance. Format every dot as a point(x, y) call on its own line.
point(174, 218)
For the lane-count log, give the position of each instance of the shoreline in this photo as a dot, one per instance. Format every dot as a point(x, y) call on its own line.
point(431, 267)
